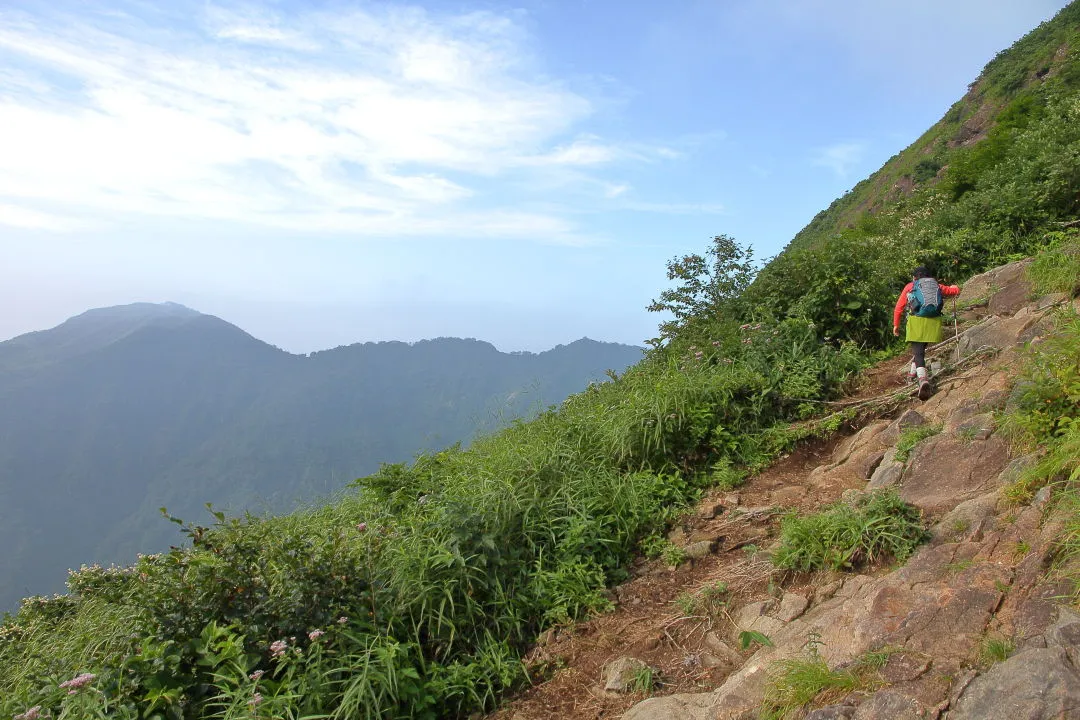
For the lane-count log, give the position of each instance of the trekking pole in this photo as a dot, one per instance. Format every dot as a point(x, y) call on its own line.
point(956, 329)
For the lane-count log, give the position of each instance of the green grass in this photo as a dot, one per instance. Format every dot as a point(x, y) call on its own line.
point(911, 437)
point(1067, 549)
point(795, 683)
point(845, 536)
point(748, 638)
point(995, 649)
point(1045, 419)
point(1057, 269)
point(644, 680)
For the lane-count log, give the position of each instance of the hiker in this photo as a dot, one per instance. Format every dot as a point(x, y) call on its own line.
point(923, 297)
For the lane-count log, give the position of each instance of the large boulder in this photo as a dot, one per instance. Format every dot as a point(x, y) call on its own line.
point(946, 470)
point(983, 288)
point(688, 706)
point(1000, 332)
point(1038, 684)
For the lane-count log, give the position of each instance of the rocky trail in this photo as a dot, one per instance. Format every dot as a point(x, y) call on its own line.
point(671, 647)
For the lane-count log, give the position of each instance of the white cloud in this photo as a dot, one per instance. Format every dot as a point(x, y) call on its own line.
point(581, 152)
point(615, 190)
point(381, 122)
point(841, 158)
point(25, 218)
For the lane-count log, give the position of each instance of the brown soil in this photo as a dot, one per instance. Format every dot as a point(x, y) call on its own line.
point(653, 620)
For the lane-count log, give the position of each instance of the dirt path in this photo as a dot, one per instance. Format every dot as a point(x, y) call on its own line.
point(676, 619)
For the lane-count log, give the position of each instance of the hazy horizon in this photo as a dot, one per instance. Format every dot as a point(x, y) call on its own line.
point(327, 173)
point(319, 349)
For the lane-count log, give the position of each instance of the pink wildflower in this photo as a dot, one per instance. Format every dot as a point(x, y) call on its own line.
point(76, 683)
point(315, 635)
point(257, 674)
point(342, 620)
point(278, 648)
point(32, 714)
point(361, 526)
point(255, 699)
point(745, 327)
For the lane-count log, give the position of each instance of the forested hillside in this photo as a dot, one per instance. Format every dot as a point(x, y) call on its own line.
point(417, 594)
point(120, 411)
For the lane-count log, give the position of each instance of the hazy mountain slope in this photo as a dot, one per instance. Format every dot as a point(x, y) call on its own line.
point(120, 411)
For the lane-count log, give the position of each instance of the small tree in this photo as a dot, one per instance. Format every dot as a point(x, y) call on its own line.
point(709, 287)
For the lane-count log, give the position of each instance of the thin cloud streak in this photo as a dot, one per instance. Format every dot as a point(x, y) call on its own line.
point(841, 158)
point(378, 124)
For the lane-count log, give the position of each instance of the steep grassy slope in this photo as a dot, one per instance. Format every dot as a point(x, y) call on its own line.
point(415, 596)
point(994, 179)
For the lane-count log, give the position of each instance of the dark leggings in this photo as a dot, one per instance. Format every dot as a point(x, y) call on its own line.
point(918, 349)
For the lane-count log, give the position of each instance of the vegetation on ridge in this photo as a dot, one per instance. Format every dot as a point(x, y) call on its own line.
point(1045, 418)
point(415, 595)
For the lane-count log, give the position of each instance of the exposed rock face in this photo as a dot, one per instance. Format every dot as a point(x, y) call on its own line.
point(947, 469)
point(690, 706)
point(720, 650)
point(1039, 684)
point(984, 573)
point(832, 712)
point(984, 287)
point(792, 606)
point(890, 705)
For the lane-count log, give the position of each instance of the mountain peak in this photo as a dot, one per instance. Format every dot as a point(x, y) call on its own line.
point(136, 310)
point(89, 331)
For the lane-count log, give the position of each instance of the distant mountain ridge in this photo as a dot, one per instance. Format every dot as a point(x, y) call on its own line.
point(119, 411)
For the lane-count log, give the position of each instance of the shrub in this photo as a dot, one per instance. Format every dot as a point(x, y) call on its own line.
point(926, 169)
point(1057, 269)
point(845, 536)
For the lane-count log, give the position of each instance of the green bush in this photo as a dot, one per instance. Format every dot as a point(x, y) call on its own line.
point(1057, 269)
point(845, 536)
point(926, 169)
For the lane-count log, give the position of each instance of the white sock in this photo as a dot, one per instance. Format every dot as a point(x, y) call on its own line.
point(912, 368)
point(921, 372)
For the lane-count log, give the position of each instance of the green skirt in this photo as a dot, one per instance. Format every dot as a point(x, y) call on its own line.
point(923, 329)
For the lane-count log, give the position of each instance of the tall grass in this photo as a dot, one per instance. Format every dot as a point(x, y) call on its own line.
point(845, 535)
point(1045, 419)
point(424, 582)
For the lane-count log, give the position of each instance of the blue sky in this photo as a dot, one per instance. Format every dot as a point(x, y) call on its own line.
point(322, 173)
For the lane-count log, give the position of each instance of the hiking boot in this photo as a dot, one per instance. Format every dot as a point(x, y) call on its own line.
point(925, 390)
point(912, 377)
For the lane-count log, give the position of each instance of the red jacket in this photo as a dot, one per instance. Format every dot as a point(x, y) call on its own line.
point(901, 302)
